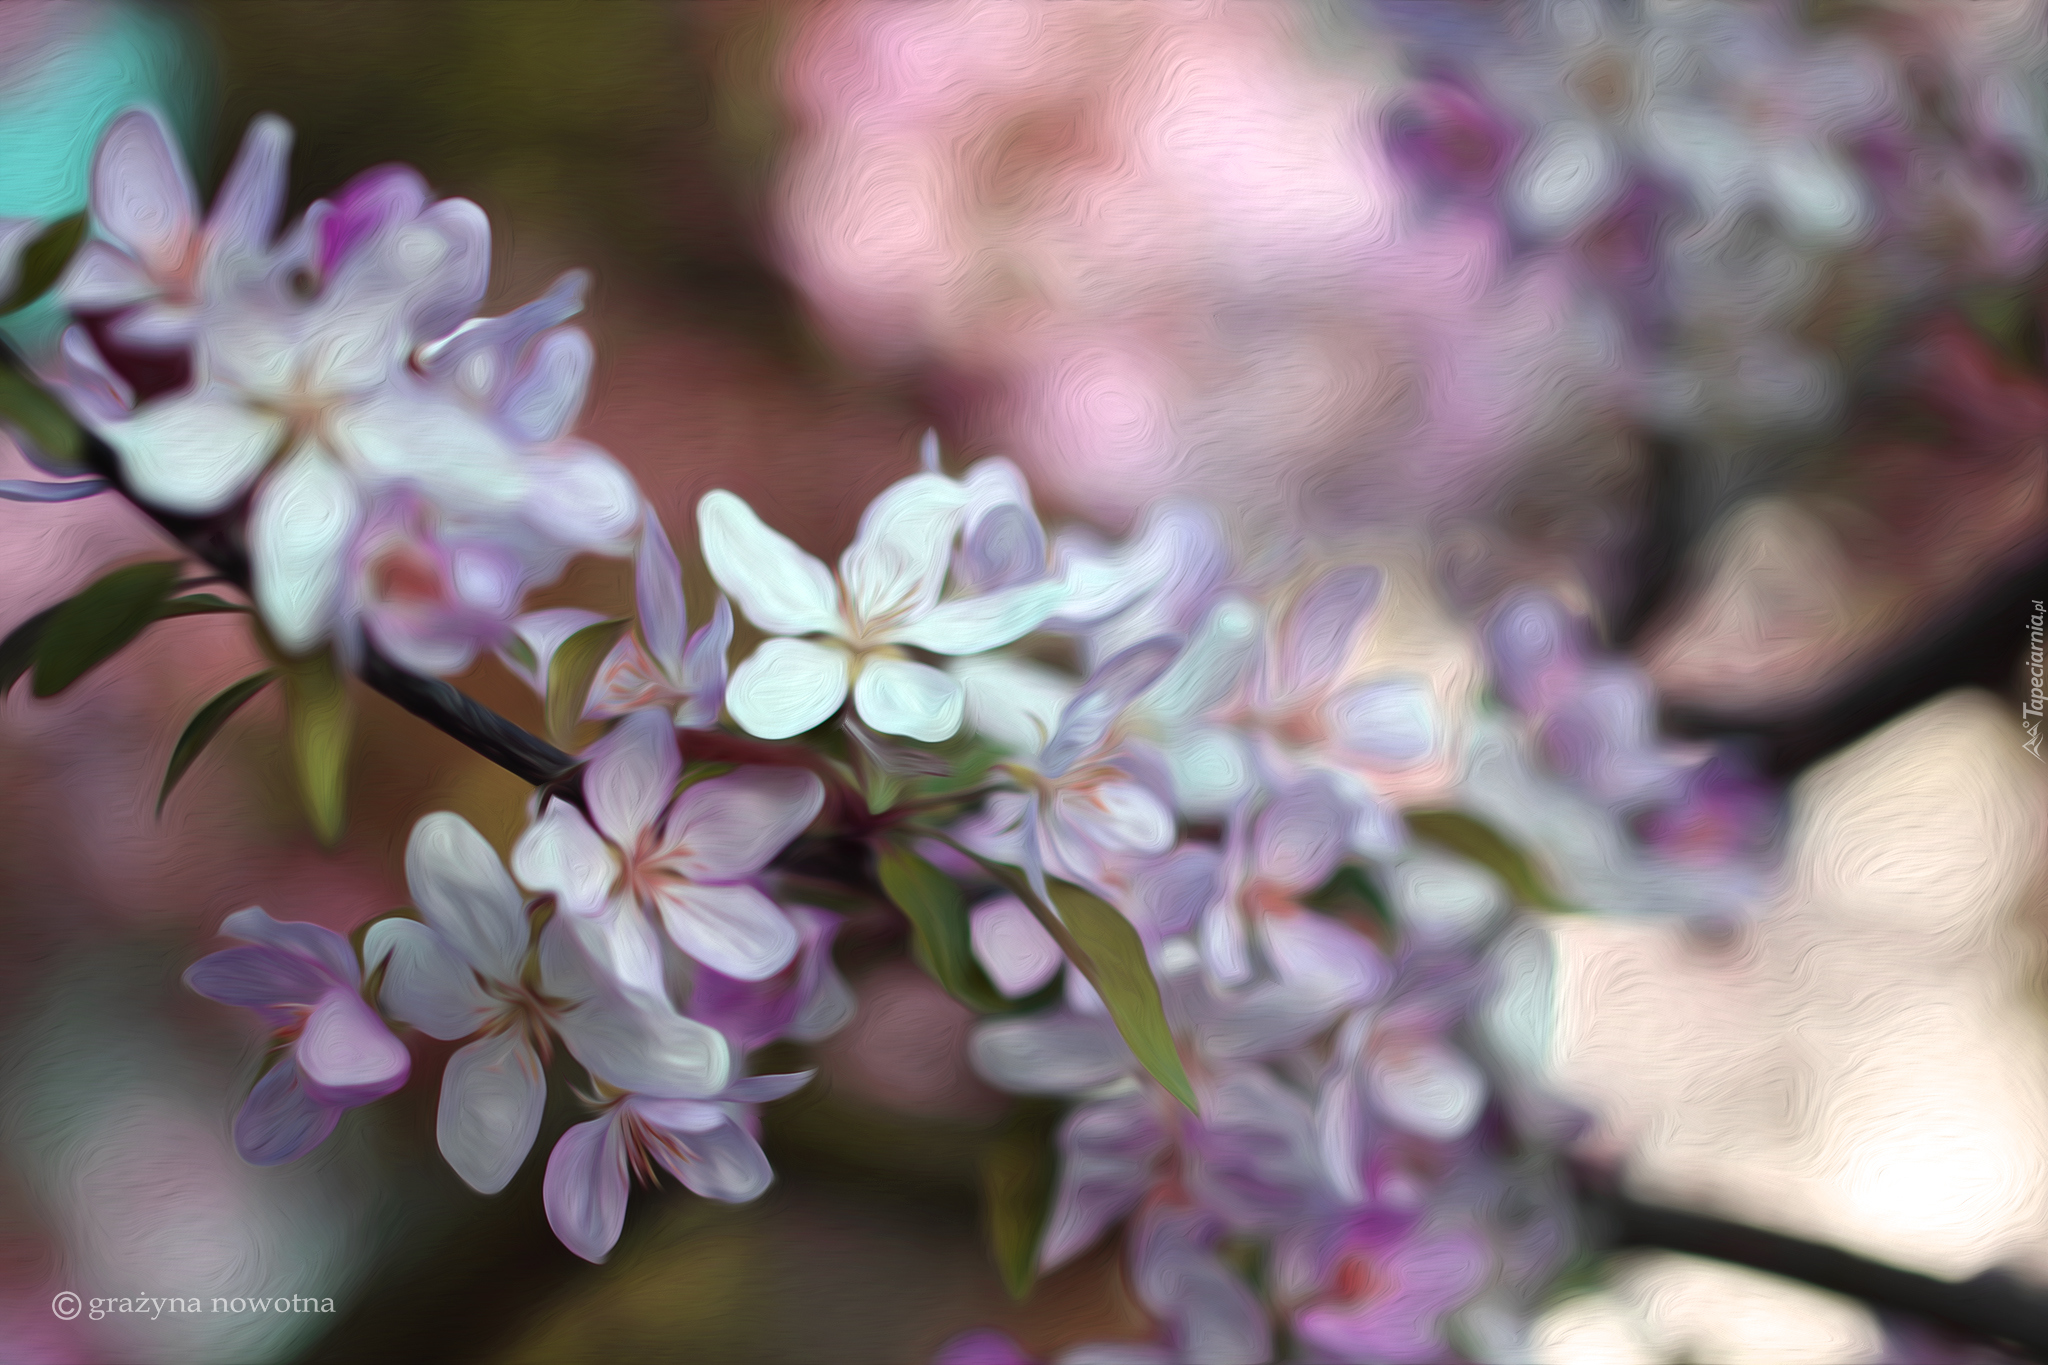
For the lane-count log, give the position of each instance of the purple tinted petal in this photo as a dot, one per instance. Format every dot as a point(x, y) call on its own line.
point(1254, 1157)
point(1324, 963)
point(734, 928)
point(585, 1188)
point(141, 192)
point(731, 826)
point(376, 199)
point(1215, 1319)
point(1320, 630)
point(631, 774)
point(1536, 647)
point(1447, 139)
point(279, 1121)
point(346, 1054)
point(1012, 946)
point(766, 1089)
point(1301, 836)
point(245, 210)
point(1108, 1150)
point(658, 589)
point(1087, 719)
point(37, 490)
point(259, 978)
point(492, 1095)
point(1002, 549)
point(984, 1346)
point(542, 403)
point(310, 941)
point(1170, 894)
point(704, 668)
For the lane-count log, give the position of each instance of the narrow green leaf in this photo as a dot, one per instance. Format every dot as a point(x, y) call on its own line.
point(522, 653)
point(1115, 965)
point(321, 720)
point(572, 671)
point(205, 725)
point(938, 922)
point(18, 650)
point(197, 604)
point(92, 627)
point(41, 420)
point(1459, 833)
point(1016, 1192)
point(43, 260)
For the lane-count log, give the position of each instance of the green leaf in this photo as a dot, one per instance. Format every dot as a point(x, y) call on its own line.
point(197, 604)
point(1016, 1192)
point(938, 922)
point(522, 653)
point(92, 627)
point(1459, 833)
point(572, 671)
point(1114, 962)
point(321, 720)
point(41, 420)
point(44, 259)
point(205, 725)
point(18, 650)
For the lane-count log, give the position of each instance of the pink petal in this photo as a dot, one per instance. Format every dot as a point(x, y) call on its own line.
point(585, 1188)
point(632, 773)
point(731, 826)
point(346, 1053)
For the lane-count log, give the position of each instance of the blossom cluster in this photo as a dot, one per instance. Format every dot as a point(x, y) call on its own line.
point(1147, 805)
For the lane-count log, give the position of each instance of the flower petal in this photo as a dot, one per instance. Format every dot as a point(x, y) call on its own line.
point(781, 589)
point(897, 562)
point(1012, 946)
point(765, 1089)
point(1050, 1054)
point(299, 529)
point(560, 853)
point(630, 776)
point(260, 978)
point(346, 1054)
point(244, 215)
point(585, 1188)
point(974, 625)
point(1014, 702)
point(1323, 962)
point(1116, 817)
point(580, 497)
point(194, 453)
point(634, 1039)
point(310, 941)
point(1254, 1159)
point(1108, 1150)
point(1215, 1319)
point(280, 1122)
point(731, 929)
point(1317, 636)
point(1086, 721)
point(723, 1162)
point(704, 669)
point(141, 192)
point(1392, 720)
point(786, 687)
point(917, 701)
point(463, 890)
point(729, 827)
point(658, 591)
point(427, 982)
point(1301, 836)
point(1431, 1090)
point(100, 279)
point(543, 402)
point(492, 1095)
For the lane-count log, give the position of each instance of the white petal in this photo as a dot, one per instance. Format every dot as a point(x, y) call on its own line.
point(785, 687)
point(631, 774)
point(560, 853)
point(897, 562)
point(722, 1162)
point(899, 697)
point(1012, 946)
point(492, 1095)
point(402, 434)
point(1117, 817)
point(1014, 702)
point(544, 402)
point(244, 216)
point(1054, 1054)
point(973, 625)
point(731, 929)
point(633, 1038)
point(141, 191)
point(427, 983)
point(304, 517)
point(729, 827)
point(463, 891)
point(194, 453)
point(585, 1188)
point(582, 498)
point(779, 587)
point(101, 278)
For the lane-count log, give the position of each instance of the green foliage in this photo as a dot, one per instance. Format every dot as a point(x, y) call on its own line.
point(321, 723)
point(1016, 1192)
point(938, 922)
point(205, 725)
point(18, 650)
point(92, 627)
point(43, 260)
point(572, 671)
point(1113, 960)
point(1351, 892)
point(42, 422)
point(1459, 833)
